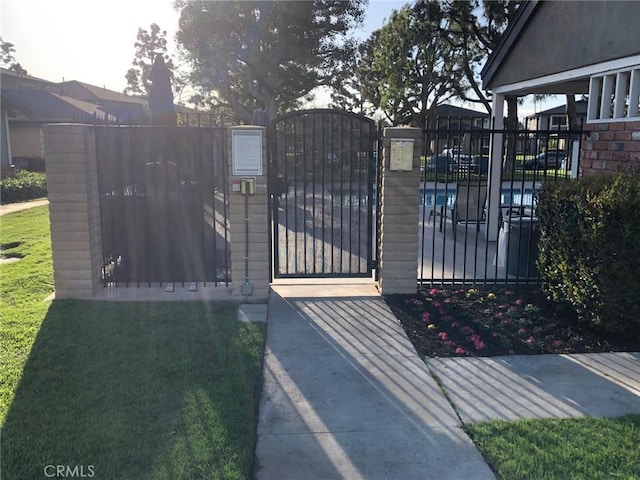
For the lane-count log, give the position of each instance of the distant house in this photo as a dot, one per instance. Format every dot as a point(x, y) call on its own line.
point(28, 110)
point(29, 102)
point(556, 118)
point(459, 128)
point(600, 57)
point(125, 107)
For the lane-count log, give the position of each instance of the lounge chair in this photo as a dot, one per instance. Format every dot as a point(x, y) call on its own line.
point(469, 205)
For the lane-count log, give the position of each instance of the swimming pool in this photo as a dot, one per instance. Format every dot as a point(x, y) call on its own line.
point(429, 197)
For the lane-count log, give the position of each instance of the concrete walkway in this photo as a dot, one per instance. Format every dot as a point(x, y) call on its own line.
point(347, 397)
point(16, 207)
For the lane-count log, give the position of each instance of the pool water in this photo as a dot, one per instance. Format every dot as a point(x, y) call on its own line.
point(447, 197)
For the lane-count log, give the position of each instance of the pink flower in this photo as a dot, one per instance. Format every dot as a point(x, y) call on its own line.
point(558, 342)
point(479, 345)
point(506, 321)
point(498, 314)
point(416, 301)
point(519, 301)
point(475, 337)
point(426, 316)
point(449, 343)
point(508, 292)
point(459, 291)
point(433, 291)
point(522, 331)
point(502, 307)
point(436, 304)
point(454, 324)
point(494, 335)
point(447, 300)
point(460, 351)
point(531, 340)
point(443, 335)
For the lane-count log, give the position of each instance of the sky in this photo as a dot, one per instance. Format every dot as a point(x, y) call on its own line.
point(93, 40)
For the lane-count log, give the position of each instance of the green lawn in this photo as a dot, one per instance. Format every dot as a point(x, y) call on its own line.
point(132, 390)
point(567, 449)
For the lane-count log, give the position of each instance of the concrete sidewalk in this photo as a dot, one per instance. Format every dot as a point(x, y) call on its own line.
point(541, 386)
point(346, 396)
point(16, 207)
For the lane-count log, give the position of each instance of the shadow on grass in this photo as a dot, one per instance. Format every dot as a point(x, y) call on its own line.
point(137, 390)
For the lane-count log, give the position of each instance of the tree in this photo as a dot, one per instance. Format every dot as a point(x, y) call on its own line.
point(474, 28)
point(7, 58)
point(412, 65)
point(358, 89)
point(266, 54)
point(150, 43)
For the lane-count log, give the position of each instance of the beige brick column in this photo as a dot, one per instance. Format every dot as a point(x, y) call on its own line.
point(253, 287)
point(400, 197)
point(74, 209)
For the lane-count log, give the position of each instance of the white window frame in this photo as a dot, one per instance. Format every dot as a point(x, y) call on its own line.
point(614, 96)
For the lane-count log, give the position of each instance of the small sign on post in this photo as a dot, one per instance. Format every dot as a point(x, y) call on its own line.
point(246, 152)
point(401, 158)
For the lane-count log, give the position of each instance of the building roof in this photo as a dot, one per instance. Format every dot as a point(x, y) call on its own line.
point(581, 109)
point(11, 79)
point(45, 106)
point(552, 47)
point(447, 110)
point(74, 88)
point(515, 27)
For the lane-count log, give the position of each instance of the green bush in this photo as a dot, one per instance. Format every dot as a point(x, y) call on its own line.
point(590, 248)
point(24, 186)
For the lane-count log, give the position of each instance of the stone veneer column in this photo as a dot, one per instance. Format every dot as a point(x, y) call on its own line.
point(74, 209)
point(398, 265)
point(258, 272)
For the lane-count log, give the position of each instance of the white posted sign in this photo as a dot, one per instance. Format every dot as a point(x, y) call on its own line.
point(246, 152)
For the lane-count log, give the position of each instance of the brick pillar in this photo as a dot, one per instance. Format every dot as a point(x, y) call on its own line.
point(398, 266)
point(257, 282)
point(74, 209)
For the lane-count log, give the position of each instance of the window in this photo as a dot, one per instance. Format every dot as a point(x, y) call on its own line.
point(614, 96)
point(559, 121)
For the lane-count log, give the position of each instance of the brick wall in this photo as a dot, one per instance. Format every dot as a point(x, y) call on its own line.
point(258, 215)
point(398, 262)
point(610, 146)
point(74, 209)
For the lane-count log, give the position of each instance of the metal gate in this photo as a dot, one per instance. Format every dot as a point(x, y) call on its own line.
point(322, 175)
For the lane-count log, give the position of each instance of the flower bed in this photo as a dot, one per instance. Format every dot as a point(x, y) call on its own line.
point(446, 322)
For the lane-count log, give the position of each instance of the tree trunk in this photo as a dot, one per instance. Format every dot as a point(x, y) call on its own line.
point(511, 125)
point(572, 115)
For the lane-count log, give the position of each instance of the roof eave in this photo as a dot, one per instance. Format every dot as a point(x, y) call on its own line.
point(507, 40)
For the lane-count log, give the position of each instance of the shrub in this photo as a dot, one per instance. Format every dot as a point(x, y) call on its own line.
point(589, 250)
point(24, 186)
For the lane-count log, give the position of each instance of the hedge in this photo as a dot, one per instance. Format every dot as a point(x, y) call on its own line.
point(24, 186)
point(589, 250)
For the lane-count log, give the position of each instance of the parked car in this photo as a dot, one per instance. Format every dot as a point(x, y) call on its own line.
point(439, 164)
point(460, 161)
point(551, 159)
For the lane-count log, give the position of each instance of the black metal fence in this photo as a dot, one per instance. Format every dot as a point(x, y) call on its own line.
point(455, 196)
point(163, 201)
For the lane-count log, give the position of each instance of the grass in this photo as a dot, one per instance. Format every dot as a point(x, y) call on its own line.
point(563, 449)
point(132, 390)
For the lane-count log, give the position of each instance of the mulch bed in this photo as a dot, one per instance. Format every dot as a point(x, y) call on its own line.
point(484, 322)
